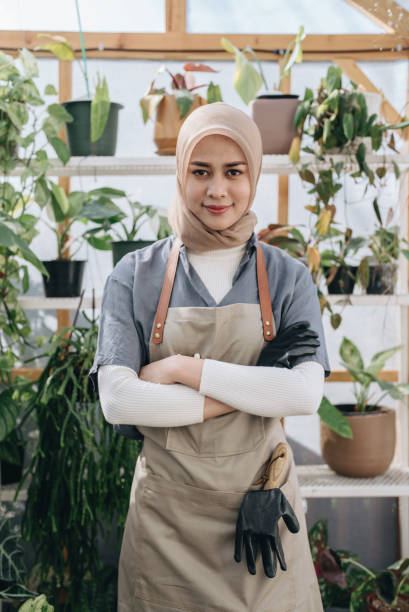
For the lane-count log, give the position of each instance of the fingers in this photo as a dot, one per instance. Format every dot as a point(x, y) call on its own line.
point(238, 545)
point(277, 549)
point(269, 558)
point(251, 552)
point(288, 515)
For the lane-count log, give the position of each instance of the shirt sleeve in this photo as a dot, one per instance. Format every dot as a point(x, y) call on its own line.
point(120, 338)
point(303, 305)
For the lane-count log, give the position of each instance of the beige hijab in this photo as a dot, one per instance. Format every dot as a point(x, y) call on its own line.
point(216, 118)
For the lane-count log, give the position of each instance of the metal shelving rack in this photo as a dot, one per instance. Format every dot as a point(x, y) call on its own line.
point(315, 480)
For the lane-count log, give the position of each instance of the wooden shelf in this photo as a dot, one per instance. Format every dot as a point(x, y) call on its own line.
point(38, 302)
point(166, 165)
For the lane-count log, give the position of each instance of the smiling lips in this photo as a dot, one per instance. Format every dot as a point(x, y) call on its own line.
point(217, 210)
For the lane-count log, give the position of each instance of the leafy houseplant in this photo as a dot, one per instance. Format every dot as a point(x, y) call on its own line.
point(372, 447)
point(377, 274)
point(345, 583)
point(276, 134)
point(172, 108)
point(95, 122)
point(65, 273)
point(79, 476)
point(339, 275)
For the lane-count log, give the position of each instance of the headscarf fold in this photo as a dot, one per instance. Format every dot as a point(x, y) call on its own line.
point(216, 118)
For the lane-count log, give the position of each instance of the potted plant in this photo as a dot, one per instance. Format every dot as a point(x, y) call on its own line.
point(371, 449)
point(94, 126)
point(377, 273)
point(172, 108)
point(339, 275)
point(272, 110)
point(65, 273)
point(79, 478)
point(126, 237)
point(347, 584)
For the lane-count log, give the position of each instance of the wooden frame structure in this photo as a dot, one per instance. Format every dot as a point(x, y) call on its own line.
point(176, 43)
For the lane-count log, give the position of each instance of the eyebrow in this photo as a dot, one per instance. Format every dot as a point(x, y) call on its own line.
point(204, 165)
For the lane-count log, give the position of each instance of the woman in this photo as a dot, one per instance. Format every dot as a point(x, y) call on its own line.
point(184, 372)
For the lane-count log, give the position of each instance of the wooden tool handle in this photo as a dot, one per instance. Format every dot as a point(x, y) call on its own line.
point(278, 464)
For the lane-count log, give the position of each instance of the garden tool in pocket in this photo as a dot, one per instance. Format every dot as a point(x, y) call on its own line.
point(259, 515)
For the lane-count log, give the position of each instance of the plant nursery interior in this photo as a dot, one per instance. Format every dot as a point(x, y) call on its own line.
point(93, 97)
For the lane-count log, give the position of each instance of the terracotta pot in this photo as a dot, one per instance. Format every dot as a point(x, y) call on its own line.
point(371, 450)
point(168, 123)
point(274, 116)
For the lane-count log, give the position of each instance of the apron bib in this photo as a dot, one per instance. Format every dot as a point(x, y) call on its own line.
point(178, 543)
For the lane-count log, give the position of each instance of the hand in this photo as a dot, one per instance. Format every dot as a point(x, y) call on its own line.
point(161, 371)
point(294, 341)
point(257, 526)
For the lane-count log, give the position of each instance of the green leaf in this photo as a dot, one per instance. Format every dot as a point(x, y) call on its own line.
point(25, 281)
point(376, 137)
point(108, 192)
point(9, 413)
point(9, 239)
point(59, 202)
point(336, 320)
point(61, 48)
point(360, 156)
point(149, 104)
point(41, 192)
point(333, 79)
point(7, 67)
point(29, 63)
point(350, 354)
point(387, 586)
point(76, 201)
point(363, 272)
point(184, 100)
point(348, 126)
point(100, 106)
point(50, 90)
point(307, 175)
point(327, 131)
point(379, 359)
point(102, 244)
point(98, 211)
point(58, 112)
point(334, 418)
point(228, 46)
point(60, 148)
point(213, 93)
point(377, 211)
point(17, 113)
point(247, 81)
point(396, 169)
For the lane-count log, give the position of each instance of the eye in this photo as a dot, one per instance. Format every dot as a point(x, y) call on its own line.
point(200, 170)
point(238, 172)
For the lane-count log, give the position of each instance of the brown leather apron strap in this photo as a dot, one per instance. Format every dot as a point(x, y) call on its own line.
point(264, 297)
point(166, 292)
point(164, 299)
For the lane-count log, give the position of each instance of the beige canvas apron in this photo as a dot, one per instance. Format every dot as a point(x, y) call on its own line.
point(177, 548)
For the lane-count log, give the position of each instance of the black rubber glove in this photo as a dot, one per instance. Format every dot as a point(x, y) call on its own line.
point(294, 341)
point(257, 527)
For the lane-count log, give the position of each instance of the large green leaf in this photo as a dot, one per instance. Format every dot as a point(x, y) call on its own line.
point(247, 81)
point(60, 148)
point(9, 239)
point(108, 192)
point(9, 412)
point(100, 106)
point(61, 48)
point(335, 420)
point(184, 100)
point(59, 202)
point(379, 359)
point(29, 63)
point(348, 126)
point(99, 210)
point(213, 93)
point(7, 67)
point(333, 79)
point(58, 112)
point(350, 355)
point(17, 113)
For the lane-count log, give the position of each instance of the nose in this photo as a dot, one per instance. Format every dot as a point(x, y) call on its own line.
point(217, 187)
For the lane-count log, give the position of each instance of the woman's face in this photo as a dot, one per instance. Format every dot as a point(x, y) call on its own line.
point(217, 187)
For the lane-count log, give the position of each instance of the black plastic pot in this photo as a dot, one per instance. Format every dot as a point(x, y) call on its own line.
point(12, 472)
point(382, 279)
point(122, 247)
point(65, 278)
point(343, 281)
point(78, 131)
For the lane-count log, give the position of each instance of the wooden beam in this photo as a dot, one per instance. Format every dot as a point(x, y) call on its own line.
point(350, 68)
point(180, 41)
point(283, 181)
point(175, 15)
point(385, 13)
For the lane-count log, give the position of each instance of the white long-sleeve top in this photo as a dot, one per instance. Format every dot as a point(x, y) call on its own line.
point(265, 391)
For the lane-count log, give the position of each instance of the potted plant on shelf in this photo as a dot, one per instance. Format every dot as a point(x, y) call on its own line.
point(371, 449)
point(347, 584)
point(65, 273)
point(277, 134)
point(339, 275)
point(94, 126)
point(172, 108)
point(377, 273)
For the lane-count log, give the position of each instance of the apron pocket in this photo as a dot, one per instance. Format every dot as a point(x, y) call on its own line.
point(228, 434)
point(182, 531)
